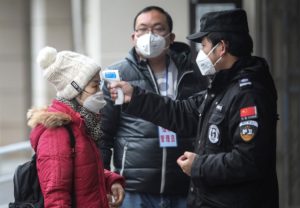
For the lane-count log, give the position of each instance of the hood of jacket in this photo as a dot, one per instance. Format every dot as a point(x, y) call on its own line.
point(54, 116)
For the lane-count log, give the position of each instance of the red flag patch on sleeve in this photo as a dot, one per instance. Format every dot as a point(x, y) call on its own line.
point(248, 113)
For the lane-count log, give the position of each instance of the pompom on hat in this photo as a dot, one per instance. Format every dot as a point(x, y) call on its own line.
point(68, 71)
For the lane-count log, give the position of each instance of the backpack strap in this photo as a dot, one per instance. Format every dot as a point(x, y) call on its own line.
point(72, 138)
point(73, 142)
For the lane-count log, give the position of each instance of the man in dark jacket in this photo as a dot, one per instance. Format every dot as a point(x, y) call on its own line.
point(233, 164)
point(164, 67)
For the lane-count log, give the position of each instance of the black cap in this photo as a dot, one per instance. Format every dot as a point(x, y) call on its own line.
point(222, 21)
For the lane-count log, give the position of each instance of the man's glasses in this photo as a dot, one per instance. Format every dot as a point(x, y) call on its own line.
point(155, 30)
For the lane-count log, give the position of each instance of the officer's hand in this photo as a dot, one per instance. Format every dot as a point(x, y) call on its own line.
point(126, 88)
point(185, 162)
point(117, 195)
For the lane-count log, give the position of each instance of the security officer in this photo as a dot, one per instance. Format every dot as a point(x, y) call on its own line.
point(234, 161)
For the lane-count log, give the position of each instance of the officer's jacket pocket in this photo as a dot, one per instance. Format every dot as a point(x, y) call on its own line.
point(216, 118)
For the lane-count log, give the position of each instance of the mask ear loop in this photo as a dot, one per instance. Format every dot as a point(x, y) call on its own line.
point(212, 49)
point(219, 59)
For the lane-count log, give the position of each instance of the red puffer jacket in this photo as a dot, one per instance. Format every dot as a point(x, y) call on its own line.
point(54, 162)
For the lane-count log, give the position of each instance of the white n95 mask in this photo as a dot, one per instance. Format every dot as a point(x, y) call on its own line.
point(95, 102)
point(204, 63)
point(150, 45)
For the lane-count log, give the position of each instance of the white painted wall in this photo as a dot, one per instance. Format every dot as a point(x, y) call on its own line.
point(116, 25)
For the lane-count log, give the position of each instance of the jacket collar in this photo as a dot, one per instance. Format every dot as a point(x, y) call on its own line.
point(251, 67)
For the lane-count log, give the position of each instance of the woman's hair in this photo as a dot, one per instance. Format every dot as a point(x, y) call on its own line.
point(238, 44)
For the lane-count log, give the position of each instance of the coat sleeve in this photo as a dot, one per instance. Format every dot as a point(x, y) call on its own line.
point(111, 178)
point(110, 115)
point(178, 116)
point(54, 165)
point(253, 139)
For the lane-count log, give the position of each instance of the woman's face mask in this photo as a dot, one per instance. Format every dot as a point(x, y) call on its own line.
point(94, 103)
point(204, 63)
point(151, 45)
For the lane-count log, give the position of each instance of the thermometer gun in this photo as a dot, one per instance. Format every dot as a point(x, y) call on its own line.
point(112, 75)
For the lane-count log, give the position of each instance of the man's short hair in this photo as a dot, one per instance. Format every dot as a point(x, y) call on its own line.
point(238, 44)
point(159, 9)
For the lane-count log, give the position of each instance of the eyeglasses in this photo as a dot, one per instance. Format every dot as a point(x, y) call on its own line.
point(158, 30)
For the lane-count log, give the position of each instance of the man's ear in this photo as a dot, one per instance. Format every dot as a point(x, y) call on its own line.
point(132, 37)
point(172, 38)
point(223, 47)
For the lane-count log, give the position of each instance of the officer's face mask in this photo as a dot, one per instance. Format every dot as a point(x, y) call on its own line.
point(151, 45)
point(205, 64)
point(94, 103)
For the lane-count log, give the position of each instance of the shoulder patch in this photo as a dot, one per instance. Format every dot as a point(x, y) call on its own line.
point(248, 130)
point(248, 113)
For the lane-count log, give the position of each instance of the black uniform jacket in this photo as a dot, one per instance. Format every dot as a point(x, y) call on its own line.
point(235, 134)
point(137, 155)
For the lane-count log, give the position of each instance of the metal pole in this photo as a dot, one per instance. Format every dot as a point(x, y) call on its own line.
point(38, 16)
point(93, 29)
point(77, 25)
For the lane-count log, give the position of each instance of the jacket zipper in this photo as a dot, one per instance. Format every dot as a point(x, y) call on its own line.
point(123, 159)
point(200, 123)
point(153, 79)
point(163, 171)
point(164, 150)
point(164, 154)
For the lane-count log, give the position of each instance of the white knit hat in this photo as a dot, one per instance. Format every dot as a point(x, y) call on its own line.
point(68, 71)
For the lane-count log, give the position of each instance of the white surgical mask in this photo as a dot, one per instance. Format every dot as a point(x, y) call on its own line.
point(150, 45)
point(204, 63)
point(95, 102)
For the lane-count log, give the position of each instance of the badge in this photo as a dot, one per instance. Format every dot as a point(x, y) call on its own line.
point(167, 138)
point(248, 130)
point(213, 134)
point(248, 113)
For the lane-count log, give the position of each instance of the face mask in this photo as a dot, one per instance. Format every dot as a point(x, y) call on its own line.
point(204, 63)
point(95, 102)
point(151, 45)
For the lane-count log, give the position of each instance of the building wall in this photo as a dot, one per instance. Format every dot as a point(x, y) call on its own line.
point(278, 26)
point(15, 71)
point(23, 85)
point(116, 24)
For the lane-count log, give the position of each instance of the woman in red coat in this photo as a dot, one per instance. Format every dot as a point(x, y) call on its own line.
point(64, 178)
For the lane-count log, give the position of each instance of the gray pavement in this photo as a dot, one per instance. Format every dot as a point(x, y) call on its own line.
point(7, 193)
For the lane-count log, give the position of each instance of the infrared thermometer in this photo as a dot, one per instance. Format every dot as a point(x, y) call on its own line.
point(111, 75)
